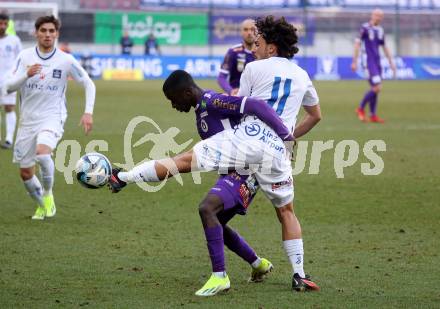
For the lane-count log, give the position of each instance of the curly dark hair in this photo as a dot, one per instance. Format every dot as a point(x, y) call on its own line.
point(47, 19)
point(280, 33)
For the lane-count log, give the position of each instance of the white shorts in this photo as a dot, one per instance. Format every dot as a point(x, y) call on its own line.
point(28, 137)
point(8, 99)
point(251, 148)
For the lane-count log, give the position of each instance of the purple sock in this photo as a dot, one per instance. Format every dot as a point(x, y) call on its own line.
point(214, 239)
point(373, 104)
point(237, 244)
point(367, 98)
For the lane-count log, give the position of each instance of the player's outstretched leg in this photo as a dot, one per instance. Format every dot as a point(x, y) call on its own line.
point(115, 184)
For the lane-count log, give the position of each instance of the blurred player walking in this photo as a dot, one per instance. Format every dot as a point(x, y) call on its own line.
point(10, 46)
point(371, 37)
point(236, 59)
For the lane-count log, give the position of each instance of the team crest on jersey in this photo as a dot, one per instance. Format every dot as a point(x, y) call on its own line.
point(241, 62)
point(204, 126)
point(56, 73)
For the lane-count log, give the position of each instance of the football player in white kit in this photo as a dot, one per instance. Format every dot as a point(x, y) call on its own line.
point(41, 75)
point(287, 88)
point(10, 46)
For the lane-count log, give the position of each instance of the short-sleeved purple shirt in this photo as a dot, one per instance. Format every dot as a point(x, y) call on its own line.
point(234, 63)
point(372, 38)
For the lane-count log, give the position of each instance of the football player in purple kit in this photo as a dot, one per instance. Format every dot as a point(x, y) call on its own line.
point(236, 59)
point(372, 36)
point(232, 193)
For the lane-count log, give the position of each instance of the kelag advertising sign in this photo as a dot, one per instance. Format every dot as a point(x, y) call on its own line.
point(169, 29)
point(225, 29)
point(319, 68)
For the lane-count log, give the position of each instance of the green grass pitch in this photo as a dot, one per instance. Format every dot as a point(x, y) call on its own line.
point(370, 241)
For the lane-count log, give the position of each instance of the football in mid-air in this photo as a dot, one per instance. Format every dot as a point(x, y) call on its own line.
point(93, 170)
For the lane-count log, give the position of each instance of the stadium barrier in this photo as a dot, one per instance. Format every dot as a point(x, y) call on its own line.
point(319, 68)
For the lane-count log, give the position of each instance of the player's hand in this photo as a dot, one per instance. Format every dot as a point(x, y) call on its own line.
point(354, 66)
point(290, 148)
point(234, 91)
point(87, 122)
point(34, 69)
point(394, 69)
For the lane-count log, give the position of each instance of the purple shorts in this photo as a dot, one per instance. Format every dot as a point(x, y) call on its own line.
point(374, 75)
point(236, 191)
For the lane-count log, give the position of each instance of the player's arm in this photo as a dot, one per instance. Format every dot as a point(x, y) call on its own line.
point(19, 76)
point(223, 76)
point(81, 76)
point(313, 112)
point(357, 48)
point(245, 82)
point(312, 117)
point(387, 53)
point(236, 106)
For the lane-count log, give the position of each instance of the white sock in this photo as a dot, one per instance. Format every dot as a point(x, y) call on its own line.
point(295, 252)
point(33, 187)
point(47, 170)
point(219, 274)
point(256, 263)
point(11, 121)
point(144, 172)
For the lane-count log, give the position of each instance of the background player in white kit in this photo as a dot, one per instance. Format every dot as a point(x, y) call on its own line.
point(41, 75)
point(10, 46)
point(286, 87)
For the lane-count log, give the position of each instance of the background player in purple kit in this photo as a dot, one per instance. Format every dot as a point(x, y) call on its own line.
point(236, 59)
point(372, 36)
point(232, 192)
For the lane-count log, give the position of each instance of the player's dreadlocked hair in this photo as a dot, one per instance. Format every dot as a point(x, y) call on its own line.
point(177, 81)
point(280, 33)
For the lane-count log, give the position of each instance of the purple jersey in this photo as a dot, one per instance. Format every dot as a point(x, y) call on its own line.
point(213, 113)
point(372, 37)
point(233, 65)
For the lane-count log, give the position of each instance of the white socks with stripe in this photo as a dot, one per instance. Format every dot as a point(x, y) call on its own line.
point(295, 252)
point(144, 172)
point(47, 171)
point(33, 187)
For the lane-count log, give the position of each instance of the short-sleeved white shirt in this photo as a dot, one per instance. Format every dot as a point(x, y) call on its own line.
point(280, 82)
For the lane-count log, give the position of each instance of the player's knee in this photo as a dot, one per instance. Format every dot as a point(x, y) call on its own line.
point(9, 108)
point(285, 213)
point(209, 207)
point(26, 173)
point(376, 89)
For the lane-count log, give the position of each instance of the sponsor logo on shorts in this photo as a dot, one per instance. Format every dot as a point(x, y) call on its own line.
point(245, 195)
point(282, 184)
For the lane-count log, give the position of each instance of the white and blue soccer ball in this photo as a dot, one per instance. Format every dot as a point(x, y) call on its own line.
point(93, 170)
